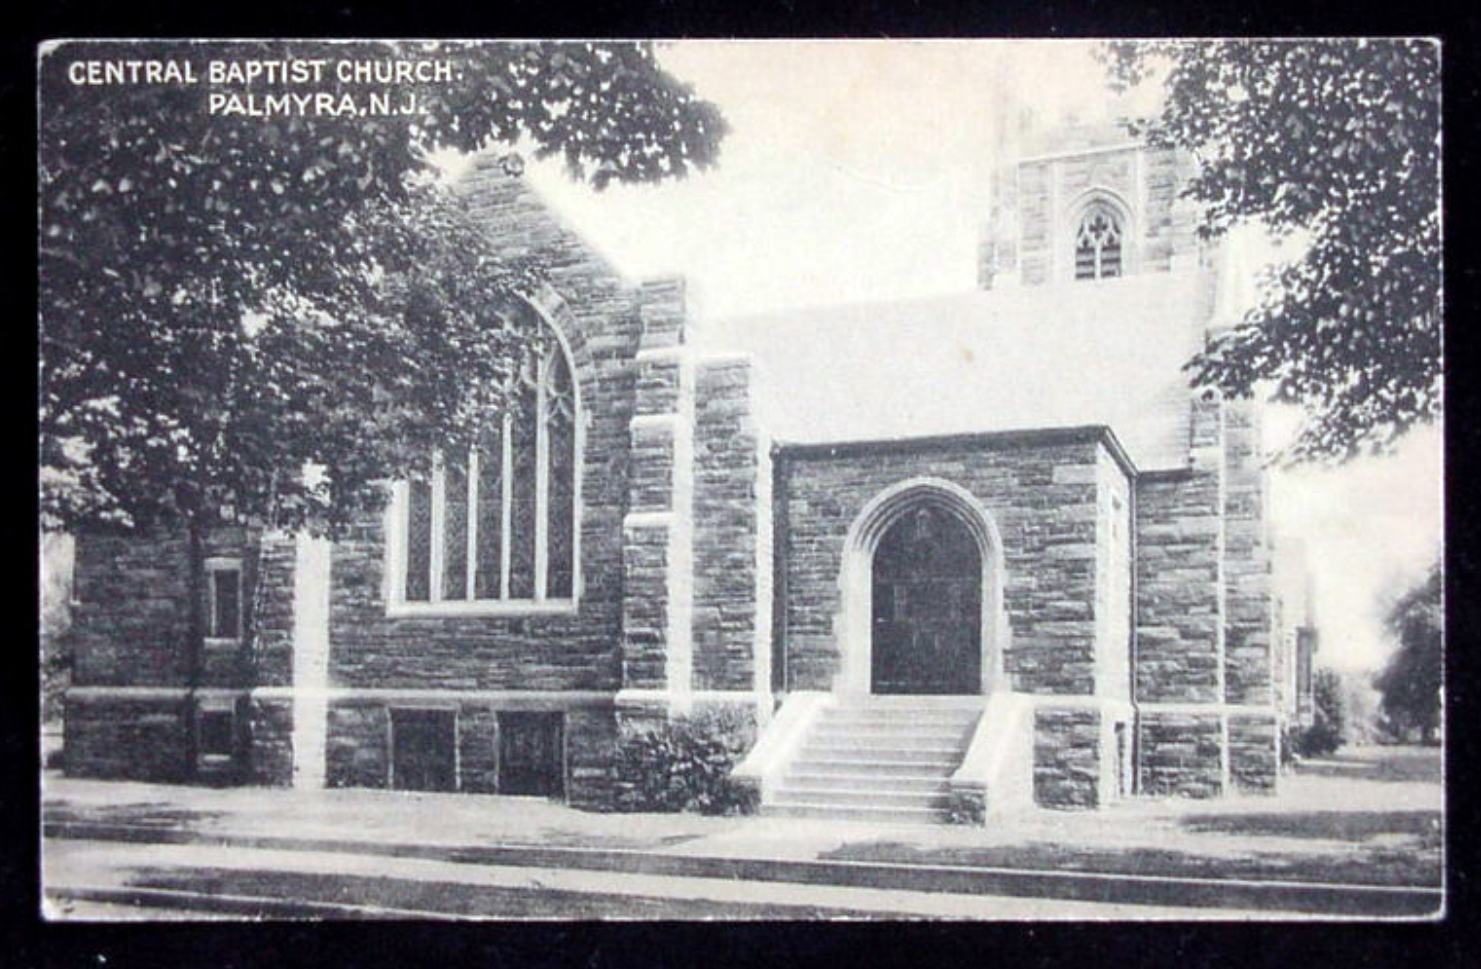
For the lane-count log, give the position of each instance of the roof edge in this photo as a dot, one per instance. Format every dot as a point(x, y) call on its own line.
point(1077, 434)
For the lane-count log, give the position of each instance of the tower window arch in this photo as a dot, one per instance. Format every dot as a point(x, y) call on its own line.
point(1098, 242)
point(494, 527)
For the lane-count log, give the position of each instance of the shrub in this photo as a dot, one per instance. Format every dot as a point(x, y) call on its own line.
point(966, 807)
point(1318, 740)
point(684, 764)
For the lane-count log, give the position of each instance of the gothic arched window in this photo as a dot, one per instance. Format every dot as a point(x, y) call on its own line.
point(496, 524)
point(1098, 243)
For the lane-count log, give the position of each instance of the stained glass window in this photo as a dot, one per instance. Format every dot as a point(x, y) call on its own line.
point(502, 515)
point(1098, 244)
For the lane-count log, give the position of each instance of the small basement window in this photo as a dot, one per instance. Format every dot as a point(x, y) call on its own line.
point(424, 749)
point(216, 730)
point(532, 754)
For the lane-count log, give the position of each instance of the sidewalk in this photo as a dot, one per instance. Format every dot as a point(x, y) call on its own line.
point(1378, 854)
point(168, 880)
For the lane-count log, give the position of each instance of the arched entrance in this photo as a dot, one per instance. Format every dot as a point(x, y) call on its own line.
point(926, 608)
point(922, 594)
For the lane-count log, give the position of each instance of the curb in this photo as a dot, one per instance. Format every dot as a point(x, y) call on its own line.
point(250, 906)
point(1314, 898)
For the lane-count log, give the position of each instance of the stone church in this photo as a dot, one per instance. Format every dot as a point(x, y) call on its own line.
point(986, 549)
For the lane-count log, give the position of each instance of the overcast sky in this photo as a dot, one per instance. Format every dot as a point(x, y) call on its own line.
point(859, 171)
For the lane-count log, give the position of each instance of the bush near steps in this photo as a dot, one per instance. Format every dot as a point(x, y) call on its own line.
point(684, 764)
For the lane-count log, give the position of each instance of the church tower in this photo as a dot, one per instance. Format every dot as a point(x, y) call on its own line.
point(1085, 202)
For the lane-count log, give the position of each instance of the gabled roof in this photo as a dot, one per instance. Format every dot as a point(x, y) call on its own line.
point(1105, 352)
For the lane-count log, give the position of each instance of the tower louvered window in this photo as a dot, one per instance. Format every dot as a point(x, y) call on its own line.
point(1098, 244)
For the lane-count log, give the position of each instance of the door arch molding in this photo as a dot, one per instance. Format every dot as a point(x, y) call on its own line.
point(854, 627)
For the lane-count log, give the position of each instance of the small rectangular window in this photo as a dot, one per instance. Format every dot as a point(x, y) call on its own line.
point(223, 599)
point(531, 754)
point(217, 733)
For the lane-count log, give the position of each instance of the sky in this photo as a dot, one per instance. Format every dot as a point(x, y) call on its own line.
point(860, 171)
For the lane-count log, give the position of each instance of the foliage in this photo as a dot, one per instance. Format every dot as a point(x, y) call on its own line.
point(1329, 701)
point(966, 807)
point(1339, 142)
point(1410, 682)
point(684, 764)
point(1327, 731)
point(55, 622)
point(225, 300)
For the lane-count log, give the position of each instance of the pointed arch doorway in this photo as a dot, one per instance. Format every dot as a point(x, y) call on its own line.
point(922, 596)
point(926, 606)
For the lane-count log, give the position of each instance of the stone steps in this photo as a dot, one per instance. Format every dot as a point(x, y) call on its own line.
point(906, 736)
point(864, 763)
point(886, 759)
point(847, 813)
point(854, 780)
point(863, 796)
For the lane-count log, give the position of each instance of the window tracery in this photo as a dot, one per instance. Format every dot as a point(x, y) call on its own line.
point(1098, 243)
point(496, 524)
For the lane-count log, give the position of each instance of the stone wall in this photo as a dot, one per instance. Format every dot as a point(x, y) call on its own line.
point(1040, 489)
point(357, 751)
point(1068, 758)
point(1248, 596)
point(550, 651)
point(272, 633)
point(130, 629)
point(727, 476)
point(1254, 751)
point(270, 724)
point(1250, 620)
point(1205, 612)
point(1113, 580)
point(131, 617)
point(1179, 595)
point(657, 522)
point(645, 608)
point(127, 738)
point(1181, 753)
point(1180, 616)
point(591, 740)
point(478, 749)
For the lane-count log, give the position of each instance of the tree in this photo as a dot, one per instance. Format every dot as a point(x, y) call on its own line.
point(1328, 730)
point(228, 300)
point(1409, 683)
point(214, 313)
point(1337, 141)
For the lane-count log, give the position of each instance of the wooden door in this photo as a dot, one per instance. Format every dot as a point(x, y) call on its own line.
point(927, 606)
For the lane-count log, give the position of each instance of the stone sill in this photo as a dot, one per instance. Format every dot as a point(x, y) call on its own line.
point(454, 610)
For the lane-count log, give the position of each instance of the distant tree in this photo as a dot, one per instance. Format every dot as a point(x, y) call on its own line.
point(56, 620)
point(1329, 724)
point(1338, 141)
point(1360, 708)
point(1410, 682)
